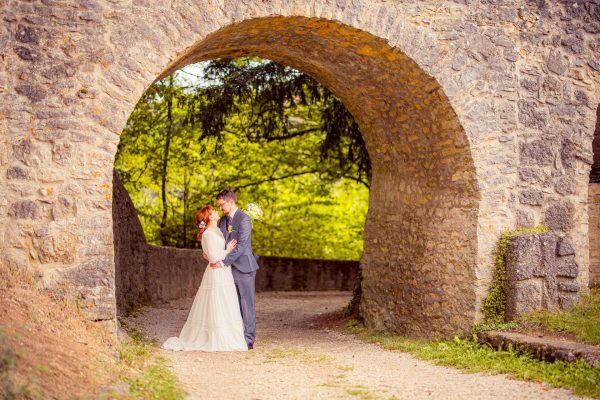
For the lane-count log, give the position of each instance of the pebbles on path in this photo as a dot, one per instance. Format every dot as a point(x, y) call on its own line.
point(294, 359)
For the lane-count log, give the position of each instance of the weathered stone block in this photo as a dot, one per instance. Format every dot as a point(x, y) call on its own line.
point(27, 34)
point(531, 197)
point(97, 272)
point(532, 115)
point(567, 300)
point(17, 172)
point(564, 185)
point(62, 153)
point(525, 219)
point(568, 150)
point(23, 151)
point(63, 207)
point(533, 262)
point(566, 267)
point(524, 297)
point(35, 93)
point(523, 258)
point(548, 244)
point(536, 153)
point(572, 287)
point(564, 247)
point(534, 175)
point(60, 247)
point(26, 209)
point(559, 217)
point(556, 62)
point(28, 54)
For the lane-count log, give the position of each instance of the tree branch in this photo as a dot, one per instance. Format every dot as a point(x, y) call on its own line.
point(273, 179)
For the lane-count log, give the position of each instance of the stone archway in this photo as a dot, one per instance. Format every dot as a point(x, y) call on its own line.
point(420, 238)
point(420, 235)
point(458, 108)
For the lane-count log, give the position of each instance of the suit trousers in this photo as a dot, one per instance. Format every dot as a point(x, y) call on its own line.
point(245, 283)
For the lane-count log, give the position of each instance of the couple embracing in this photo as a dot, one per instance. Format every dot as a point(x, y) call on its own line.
point(222, 316)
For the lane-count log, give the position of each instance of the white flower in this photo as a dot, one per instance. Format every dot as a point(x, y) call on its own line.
point(254, 211)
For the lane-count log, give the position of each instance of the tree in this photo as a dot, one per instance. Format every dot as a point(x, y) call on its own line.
point(278, 139)
point(269, 100)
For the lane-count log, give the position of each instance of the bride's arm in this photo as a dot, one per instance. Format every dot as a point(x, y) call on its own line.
point(213, 247)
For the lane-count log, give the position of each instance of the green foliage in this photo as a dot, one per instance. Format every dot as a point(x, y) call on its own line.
point(494, 326)
point(494, 305)
point(135, 349)
point(313, 208)
point(583, 319)
point(151, 378)
point(156, 382)
point(12, 388)
point(296, 354)
point(266, 96)
point(471, 356)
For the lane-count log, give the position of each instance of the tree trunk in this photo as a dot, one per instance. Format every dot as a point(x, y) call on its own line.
point(163, 184)
point(186, 192)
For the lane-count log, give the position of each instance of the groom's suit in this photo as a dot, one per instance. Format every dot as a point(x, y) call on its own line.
point(243, 264)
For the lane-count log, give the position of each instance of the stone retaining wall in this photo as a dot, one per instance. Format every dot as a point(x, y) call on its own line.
point(172, 273)
point(147, 274)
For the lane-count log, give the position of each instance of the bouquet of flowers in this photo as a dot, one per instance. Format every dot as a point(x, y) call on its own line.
point(254, 211)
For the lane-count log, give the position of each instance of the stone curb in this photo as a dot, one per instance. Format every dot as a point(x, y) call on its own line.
point(542, 348)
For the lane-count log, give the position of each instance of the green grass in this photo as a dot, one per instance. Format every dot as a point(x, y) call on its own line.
point(583, 319)
point(146, 374)
point(296, 354)
point(473, 357)
point(346, 367)
point(360, 392)
point(11, 387)
point(157, 382)
point(495, 326)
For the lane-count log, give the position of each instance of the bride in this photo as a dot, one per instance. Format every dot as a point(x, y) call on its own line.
point(214, 322)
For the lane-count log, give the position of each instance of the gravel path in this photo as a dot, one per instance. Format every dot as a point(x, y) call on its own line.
point(295, 359)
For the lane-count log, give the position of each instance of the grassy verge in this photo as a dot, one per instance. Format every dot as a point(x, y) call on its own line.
point(583, 320)
point(12, 387)
point(468, 355)
point(146, 374)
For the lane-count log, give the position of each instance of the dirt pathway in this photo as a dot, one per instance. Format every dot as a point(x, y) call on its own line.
point(294, 359)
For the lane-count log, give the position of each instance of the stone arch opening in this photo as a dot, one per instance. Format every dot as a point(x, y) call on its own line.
point(421, 231)
point(287, 263)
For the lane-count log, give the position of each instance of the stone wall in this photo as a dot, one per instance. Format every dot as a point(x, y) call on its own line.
point(147, 274)
point(594, 229)
point(541, 274)
point(172, 273)
point(478, 117)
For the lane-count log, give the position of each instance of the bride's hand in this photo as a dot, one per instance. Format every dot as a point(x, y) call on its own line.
point(231, 245)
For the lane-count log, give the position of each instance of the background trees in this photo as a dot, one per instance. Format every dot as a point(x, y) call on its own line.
point(271, 133)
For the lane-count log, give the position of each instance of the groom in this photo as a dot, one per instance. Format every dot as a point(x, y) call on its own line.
point(235, 224)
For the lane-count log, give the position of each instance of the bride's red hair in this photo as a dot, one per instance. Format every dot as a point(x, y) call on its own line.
point(203, 219)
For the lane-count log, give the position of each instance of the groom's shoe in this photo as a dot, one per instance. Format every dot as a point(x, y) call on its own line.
point(250, 346)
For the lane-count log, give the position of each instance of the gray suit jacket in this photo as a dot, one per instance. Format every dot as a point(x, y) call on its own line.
point(242, 257)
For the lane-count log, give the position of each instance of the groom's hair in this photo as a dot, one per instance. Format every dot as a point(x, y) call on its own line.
point(227, 194)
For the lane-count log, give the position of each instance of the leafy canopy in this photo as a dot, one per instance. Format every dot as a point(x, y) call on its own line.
point(271, 133)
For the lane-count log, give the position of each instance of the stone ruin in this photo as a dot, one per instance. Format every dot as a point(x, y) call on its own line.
point(478, 117)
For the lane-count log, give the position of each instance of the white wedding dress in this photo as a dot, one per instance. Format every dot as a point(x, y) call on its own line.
point(215, 321)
